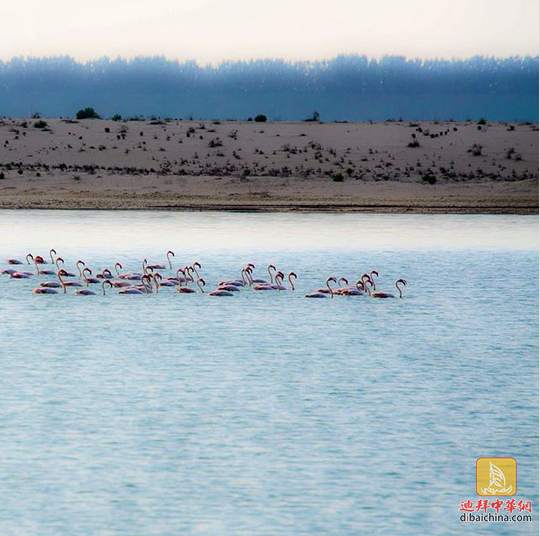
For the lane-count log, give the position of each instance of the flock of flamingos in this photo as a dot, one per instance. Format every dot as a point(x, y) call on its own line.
point(184, 280)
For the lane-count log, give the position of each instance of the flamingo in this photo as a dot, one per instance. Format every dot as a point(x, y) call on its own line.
point(371, 274)
point(187, 290)
point(387, 294)
point(78, 264)
point(290, 276)
point(106, 282)
point(51, 255)
point(61, 273)
point(44, 290)
point(50, 284)
point(8, 271)
point(161, 266)
point(105, 274)
point(140, 289)
point(220, 292)
point(89, 280)
point(42, 272)
point(40, 260)
point(262, 281)
point(84, 292)
point(323, 294)
point(356, 291)
point(14, 261)
point(116, 266)
point(20, 275)
point(64, 272)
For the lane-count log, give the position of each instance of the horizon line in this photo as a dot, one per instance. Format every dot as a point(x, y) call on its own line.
point(334, 57)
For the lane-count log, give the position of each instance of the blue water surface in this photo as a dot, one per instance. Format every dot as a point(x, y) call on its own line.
point(268, 413)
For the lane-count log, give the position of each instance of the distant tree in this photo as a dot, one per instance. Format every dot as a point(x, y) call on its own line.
point(116, 117)
point(482, 121)
point(314, 117)
point(87, 113)
point(261, 118)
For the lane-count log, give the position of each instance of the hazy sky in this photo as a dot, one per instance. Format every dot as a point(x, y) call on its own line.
point(213, 30)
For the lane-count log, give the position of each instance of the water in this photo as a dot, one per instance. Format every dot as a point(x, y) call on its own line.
point(268, 413)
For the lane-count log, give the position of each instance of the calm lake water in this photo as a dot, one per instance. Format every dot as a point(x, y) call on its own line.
point(268, 414)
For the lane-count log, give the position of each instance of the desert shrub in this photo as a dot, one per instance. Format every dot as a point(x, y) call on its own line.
point(482, 121)
point(413, 143)
point(216, 142)
point(430, 179)
point(476, 149)
point(116, 117)
point(338, 177)
point(261, 118)
point(40, 124)
point(35, 115)
point(107, 130)
point(2, 175)
point(87, 113)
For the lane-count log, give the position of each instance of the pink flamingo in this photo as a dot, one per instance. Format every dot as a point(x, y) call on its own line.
point(89, 280)
point(8, 271)
point(223, 291)
point(162, 266)
point(357, 291)
point(290, 276)
point(66, 283)
point(51, 251)
point(371, 274)
point(43, 272)
point(14, 261)
point(187, 290)
point(78, 264)
point(44, 290)
point(50, 284)
point(324, 294)
point(105, 274)
point(140, 289)
point(84, 292)
point(387, 294)
point(21, 275)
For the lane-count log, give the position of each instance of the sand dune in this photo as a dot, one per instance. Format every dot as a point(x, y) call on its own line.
point(186, 165)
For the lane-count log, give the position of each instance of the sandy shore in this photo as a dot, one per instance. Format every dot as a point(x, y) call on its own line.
point(98, 164)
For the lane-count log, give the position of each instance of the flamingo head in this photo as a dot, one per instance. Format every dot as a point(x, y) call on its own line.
point(85, 270)
point(344, 279)
point(119, 265)
point(401, 281)
point(293, 274)
point(201, 281)
point(333, 279)
point(59, 259)
point(197, 265)
point(374, 272)
point(170, 253)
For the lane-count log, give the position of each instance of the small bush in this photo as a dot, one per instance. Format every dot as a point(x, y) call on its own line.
point(338, 177)
point(40, 124)
point(482, 121)
point(413, 143)
point(116, 117)
point(2, 176)
point(430, 179)
point(261, 118)
point(87, 113)
point(476, 150)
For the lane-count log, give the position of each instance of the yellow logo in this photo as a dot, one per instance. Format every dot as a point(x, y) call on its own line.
point(496, 476)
